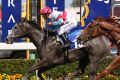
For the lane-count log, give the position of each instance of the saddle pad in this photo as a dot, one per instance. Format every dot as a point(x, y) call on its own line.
point(72, 36)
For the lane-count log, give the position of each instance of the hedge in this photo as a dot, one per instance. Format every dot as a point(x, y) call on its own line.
point(19, 66)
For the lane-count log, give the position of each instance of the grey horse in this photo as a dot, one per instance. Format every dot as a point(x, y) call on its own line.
point(52, 55)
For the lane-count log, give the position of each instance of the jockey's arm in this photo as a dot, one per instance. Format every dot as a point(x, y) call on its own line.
point(55, 25)
point(59, 22)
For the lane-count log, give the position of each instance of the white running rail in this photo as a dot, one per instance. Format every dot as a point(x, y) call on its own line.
point(17, 46)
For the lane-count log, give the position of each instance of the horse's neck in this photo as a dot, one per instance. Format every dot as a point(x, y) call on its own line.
point(36, 37)
point(111, 32)
point(109, 27)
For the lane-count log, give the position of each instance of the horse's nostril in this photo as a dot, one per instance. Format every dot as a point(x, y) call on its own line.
point(6, 39)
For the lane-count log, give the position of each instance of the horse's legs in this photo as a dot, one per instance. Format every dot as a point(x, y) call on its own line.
point(115, 63)
point(40, 75)
point(40, 71)
point(81, 67)
point(83, 63)
point(37, 66)
point(93, 69)
point(42, 64)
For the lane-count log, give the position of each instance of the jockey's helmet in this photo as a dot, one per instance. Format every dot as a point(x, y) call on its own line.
point(45, 10)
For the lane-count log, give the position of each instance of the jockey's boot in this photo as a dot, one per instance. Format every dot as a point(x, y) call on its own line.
point(66, 42)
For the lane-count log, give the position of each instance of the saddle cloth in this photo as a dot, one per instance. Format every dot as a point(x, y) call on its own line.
point(73, 41)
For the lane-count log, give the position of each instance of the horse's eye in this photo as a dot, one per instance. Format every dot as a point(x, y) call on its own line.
point(15, 27)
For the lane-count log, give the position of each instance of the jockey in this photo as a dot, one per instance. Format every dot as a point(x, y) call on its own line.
point(61, 22)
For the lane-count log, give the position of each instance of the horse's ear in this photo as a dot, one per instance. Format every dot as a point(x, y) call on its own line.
point(23, 19)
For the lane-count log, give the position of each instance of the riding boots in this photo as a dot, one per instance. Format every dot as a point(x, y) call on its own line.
point(66, 42)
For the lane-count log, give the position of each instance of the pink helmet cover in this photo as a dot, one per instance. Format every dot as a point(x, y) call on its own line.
point(45, 10)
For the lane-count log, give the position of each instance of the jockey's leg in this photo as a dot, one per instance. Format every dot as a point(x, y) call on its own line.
point(65, 40)
point(61, 33)
point(70, 26)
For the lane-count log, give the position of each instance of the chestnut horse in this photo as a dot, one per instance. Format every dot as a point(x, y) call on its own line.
point(109, 28)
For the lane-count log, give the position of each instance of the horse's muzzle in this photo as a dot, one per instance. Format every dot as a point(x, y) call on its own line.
point(10, 40)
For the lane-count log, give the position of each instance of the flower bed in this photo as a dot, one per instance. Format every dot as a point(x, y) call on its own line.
point(10, 77)
point(13, 69)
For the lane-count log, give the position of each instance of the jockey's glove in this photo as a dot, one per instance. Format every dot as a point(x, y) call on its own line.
point(49, 23)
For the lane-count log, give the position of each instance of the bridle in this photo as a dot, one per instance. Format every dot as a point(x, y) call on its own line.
point(95, 27)
point(24, 32)
point(11, 38)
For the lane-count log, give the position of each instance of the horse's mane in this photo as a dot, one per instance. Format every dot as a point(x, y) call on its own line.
point(34, 24)
point(109, 19)
point(100, 18)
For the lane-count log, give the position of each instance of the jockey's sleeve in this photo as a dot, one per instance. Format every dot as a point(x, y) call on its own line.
point(59, 22)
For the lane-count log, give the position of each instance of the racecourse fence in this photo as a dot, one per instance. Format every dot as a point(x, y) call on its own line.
point(17, 46)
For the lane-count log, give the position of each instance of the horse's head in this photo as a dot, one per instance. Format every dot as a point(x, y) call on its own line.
point(92, 30)
point(18, 30)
